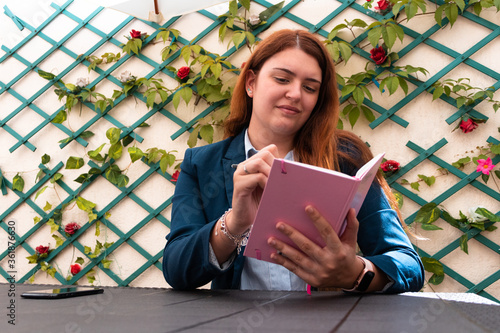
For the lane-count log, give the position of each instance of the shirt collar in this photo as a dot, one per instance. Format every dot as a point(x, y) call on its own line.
point(249, 146)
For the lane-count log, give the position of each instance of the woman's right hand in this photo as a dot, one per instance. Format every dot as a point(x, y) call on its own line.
point(249, 181)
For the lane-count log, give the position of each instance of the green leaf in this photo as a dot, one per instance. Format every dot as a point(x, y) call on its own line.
point(368, 113)
point(60, 117)
point(436, 279)
point(74, 162)
point(358, 95)
point(428, 180)
point(36, 219)
point(59, 240)
point(97, 228)
point(354, 116)
point(437, 92)
point(135, 153)
point(428, 213)
point(95, 154)
point(489, 215)
point(430, 227)
point(53, 226)
point(374, 35)
point(79, 260)
point(389, 36)
point(448, 218)
point(150, 99)
point(106, 263)
point(40, 191)
point(186, 94)
point(432, 265)
point(233, 7)
point(193, 138)
point(116, 150)
point(85, 204)
point(45, 159)
point(122, 181)
point(47, 207)
point(176, 99)
point(451, 13)
point(345, 50)
point(266, 14)
point(415, 186)
point(207, 133)
point(113, 134)
point(18, 183)
point(46, 75)
point(32, 259)
point(438, 15)
point(463, 243)
point(87, 249)
point(238, 38)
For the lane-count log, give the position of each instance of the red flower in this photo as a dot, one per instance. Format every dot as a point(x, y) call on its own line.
point(382, 5)
point(378, 55)
point(71, 228)
point(135, 34)
point(42, 249)
point(183, 72)
point(468, 125)
point(175, 176)
point(75, 268)
point(390, 166)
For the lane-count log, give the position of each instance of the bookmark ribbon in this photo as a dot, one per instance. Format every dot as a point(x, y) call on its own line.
point(283, 169)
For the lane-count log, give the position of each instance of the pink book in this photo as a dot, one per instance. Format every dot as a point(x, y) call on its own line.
point(292, 186)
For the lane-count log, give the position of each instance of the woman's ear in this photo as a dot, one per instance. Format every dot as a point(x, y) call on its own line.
point(250, 83)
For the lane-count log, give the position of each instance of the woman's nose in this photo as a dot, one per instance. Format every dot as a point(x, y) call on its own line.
point(293, 92)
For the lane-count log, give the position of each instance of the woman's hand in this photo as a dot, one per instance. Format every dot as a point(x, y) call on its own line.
point(249, 180)
point(334, 265)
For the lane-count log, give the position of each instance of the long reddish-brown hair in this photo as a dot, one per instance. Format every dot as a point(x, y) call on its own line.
point(318, 142)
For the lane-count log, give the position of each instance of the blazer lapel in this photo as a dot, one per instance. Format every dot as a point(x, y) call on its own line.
point(235, 154)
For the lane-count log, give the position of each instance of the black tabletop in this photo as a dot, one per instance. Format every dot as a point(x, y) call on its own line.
point(166, 310)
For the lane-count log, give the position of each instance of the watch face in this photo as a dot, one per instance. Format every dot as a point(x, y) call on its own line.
point(365, 281)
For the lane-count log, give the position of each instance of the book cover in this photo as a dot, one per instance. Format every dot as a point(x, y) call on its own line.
point(292, 186)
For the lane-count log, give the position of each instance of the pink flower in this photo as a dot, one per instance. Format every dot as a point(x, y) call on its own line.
point(390, 166)
point(135, 34)
point(378, 55)
point(183, 72)
point(175, 175)
point(42, 249)
point(468, 125)
point(75, 268)
point(71, 228)
point(485, 166)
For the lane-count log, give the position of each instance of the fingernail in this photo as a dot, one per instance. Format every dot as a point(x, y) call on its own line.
point(280, 227)
point(272, 242)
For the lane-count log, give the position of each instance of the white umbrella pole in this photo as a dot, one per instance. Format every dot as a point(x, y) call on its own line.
point(156, 16)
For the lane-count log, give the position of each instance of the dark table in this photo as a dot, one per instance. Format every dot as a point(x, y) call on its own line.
point(165, 310)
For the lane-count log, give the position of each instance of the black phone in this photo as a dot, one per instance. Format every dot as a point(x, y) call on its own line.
point(62, 292)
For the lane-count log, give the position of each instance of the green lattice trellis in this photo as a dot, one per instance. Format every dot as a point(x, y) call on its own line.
point(165, 110)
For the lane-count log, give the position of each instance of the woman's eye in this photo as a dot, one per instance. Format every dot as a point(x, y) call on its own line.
point(310, 89)
point(281, 80)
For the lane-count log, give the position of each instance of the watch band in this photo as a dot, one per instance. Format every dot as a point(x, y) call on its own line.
point(365, 277)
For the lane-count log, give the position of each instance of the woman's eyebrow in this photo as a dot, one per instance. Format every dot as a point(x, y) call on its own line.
point(293, 74)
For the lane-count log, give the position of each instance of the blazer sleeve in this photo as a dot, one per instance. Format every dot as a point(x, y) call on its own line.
point(186, 262)
point(383, 241)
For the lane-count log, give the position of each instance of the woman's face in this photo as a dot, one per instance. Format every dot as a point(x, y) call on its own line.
point(284, 93)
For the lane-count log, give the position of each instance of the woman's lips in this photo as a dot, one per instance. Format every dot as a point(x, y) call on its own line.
point(289, 109)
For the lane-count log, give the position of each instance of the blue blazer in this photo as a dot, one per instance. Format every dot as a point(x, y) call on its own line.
point(204, 192)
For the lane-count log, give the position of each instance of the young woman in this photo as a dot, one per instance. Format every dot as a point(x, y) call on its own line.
point(285, 105)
